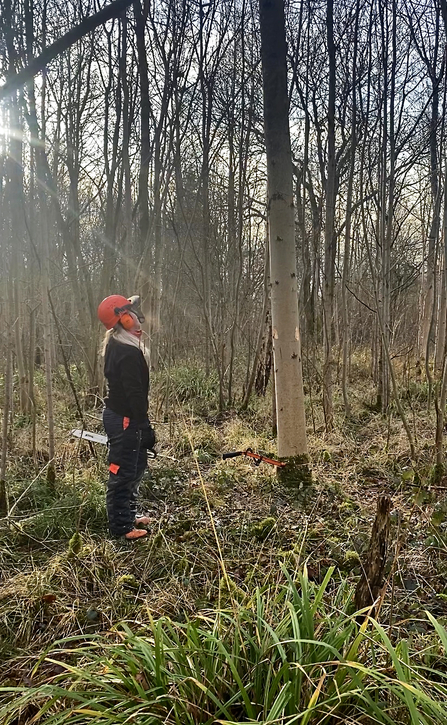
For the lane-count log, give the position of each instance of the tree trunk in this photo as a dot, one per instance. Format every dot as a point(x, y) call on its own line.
point(441, 327)
point(126, 159)
point(5, 425)
point(143, 177)
point(292, 441)
point(16, 201)
point(348, 220)
point(263, 323)
point(441, 402)
point(431, 301)
point(330, 244)
point(46, 329)
point(371, 580)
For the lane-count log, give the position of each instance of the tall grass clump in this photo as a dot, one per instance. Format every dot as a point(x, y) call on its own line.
point(57, 514)
point(288, 654)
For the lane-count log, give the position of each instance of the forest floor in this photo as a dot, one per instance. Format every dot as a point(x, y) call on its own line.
point(211, 516)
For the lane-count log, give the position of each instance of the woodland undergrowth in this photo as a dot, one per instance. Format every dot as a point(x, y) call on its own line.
point(239, 605)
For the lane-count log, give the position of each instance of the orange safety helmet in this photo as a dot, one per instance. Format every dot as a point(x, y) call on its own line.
point(116, 308)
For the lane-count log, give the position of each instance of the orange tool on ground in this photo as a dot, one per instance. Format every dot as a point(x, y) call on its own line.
point(257, 457)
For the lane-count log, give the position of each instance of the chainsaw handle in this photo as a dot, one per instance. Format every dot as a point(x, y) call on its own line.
point(233, 454)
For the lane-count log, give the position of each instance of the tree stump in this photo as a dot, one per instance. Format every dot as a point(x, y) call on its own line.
point(371, 580)
point(3, 499)
point(296, 473)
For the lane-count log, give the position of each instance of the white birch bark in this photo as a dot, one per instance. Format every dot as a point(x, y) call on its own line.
point(281, 212)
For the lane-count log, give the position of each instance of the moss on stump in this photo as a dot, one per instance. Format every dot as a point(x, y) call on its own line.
point(296, 473)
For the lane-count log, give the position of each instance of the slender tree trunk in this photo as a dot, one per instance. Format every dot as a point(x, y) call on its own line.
point(205, 181)
point(143, 178)
point(442, 321)
point(348, 220)
point(441, 402)
point(5, 425)
point(158, 238)
point(261, 333)
point(126, 158)
point(43, 248)
point(32, 312)
point(231, 223)
point(330, 244)
point(292, 441)
point(430, 301)
point(387, 190)
point(111, 159)
point(243, 156)
point(17, 243)
point(46, 329)
point(265, 358)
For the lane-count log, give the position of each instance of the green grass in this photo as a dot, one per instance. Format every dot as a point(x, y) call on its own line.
point(288, 654)
point(55, 513)
point(112, 634)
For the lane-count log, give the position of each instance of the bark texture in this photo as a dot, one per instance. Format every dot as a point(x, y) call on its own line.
point(371, 580)
point(283, 277)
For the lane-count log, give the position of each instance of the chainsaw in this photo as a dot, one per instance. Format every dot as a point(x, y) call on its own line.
point(87, 435)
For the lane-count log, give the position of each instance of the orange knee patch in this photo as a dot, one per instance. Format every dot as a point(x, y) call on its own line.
point(114, 468)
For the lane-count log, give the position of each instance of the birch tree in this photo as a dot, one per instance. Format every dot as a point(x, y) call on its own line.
point(291, 421)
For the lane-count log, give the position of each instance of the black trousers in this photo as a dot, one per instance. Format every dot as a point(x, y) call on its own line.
point(127, 463)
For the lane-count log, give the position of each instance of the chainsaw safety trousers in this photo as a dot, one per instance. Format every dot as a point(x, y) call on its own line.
point(127, 463)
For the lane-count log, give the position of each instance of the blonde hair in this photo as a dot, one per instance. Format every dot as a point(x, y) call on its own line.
point(124, 337)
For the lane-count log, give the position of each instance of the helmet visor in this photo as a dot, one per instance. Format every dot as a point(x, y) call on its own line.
point(135, 307)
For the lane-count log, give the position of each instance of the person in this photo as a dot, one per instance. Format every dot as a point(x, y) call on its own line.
point(125, 415)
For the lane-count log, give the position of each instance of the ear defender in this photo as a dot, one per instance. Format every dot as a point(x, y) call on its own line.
point(127, 321)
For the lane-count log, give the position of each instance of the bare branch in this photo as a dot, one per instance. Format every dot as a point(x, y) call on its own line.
point(61, 45)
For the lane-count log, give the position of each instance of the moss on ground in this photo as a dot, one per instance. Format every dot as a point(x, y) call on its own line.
point(61, 575)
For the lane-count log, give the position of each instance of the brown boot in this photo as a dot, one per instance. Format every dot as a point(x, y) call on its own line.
point(135, 534)
point(142, 520)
